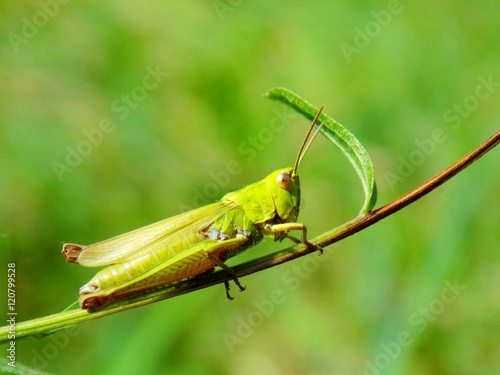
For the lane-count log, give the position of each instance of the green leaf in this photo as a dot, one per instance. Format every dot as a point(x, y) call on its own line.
point(341, 137)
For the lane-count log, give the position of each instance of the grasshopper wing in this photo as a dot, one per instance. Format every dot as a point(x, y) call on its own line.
point(173, 235)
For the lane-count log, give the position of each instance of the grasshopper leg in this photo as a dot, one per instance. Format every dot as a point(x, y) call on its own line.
point(228, 295)
point(312, 246)
point(229, 270)
point(276, 228)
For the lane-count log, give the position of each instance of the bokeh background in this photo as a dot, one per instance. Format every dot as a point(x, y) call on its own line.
point(171, 92)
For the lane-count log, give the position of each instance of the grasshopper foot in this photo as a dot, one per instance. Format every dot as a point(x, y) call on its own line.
point(237, 282)
point(314, 247)
point(228, 288)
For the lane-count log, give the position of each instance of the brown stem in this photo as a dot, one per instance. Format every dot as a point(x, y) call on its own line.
point(75, 316)
point(359, 223)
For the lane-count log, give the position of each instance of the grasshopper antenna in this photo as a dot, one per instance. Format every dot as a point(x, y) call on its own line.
point(307, 143)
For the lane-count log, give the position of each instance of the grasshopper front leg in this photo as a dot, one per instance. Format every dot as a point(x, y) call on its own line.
point(281, 230)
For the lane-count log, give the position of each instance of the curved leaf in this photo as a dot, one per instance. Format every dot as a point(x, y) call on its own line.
point(341, 137)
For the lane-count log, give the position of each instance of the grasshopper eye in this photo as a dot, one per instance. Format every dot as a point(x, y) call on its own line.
point(283, 180)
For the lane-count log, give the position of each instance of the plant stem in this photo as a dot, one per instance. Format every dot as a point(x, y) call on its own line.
point(66, 319)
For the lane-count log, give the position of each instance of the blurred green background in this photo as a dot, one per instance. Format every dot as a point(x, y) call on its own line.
point(170, 93)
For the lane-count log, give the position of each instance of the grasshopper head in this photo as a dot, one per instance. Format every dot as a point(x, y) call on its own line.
point(284, 186)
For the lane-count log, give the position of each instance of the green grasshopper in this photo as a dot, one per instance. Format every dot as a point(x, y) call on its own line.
point(195, 242)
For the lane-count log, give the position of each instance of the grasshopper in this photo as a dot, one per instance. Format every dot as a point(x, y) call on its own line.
point(195, 242)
